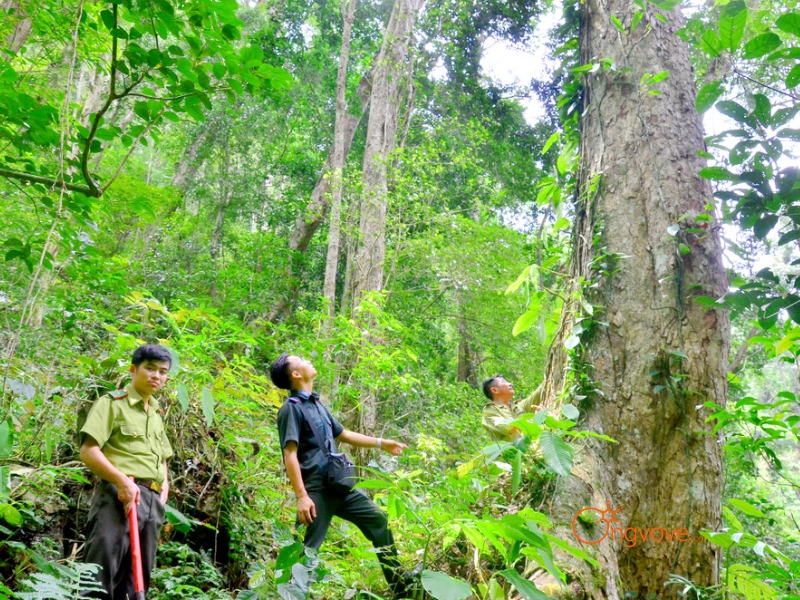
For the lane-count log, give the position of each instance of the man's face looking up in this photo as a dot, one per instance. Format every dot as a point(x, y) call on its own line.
point(502, 390)
point(301, 369)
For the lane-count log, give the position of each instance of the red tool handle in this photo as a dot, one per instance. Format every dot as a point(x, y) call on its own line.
point(136, 552)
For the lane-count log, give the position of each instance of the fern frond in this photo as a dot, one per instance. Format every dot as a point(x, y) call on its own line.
point(742, 579)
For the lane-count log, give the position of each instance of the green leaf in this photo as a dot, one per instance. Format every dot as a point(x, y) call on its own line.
point(684, 249)
point(786, 53)
point(761, 45)
point(783, 116)
point(790, 23)
point(711, 43)
point(746, 508)
point(208, 407)
point(790, 134)
point(178, 519)
point(6, 439)
point(571, 412)
point(287, 557)
point(10, 514)
point(793, 78)
point(176, 361)
point(718, 174)
point(444, 587)
point(561, 223)
point(183, 396)
point(735, 111)
point(550, 141)
point(556, 452)
point(618, 23)
point(708, 95)
point(519, 281)
point(527, 589)
point(5, 484)
point(108, 19)
point(764, 225)
point(373, 484)
point(637, 18)
point(732, 21)
point(526, 321)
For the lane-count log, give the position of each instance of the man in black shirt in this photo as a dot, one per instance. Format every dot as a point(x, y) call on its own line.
point(306, 463)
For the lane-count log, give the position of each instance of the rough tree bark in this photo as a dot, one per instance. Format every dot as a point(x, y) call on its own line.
point(337, 159)
point(661, 355)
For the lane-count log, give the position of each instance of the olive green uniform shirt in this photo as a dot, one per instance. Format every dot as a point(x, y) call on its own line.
point(495, 412)
point(132, 438)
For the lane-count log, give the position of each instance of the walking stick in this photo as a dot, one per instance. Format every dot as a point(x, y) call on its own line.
point(136, 553)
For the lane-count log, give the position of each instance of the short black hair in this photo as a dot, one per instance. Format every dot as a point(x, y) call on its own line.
point(279, 372)
point(488, 384)
point(150, 352)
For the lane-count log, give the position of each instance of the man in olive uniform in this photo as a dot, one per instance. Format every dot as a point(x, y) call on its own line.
point(124, 444)
point(500, 392)
point(306, 463)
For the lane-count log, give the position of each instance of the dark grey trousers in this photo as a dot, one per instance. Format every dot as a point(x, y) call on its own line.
point(371, 520)
point(108, 541)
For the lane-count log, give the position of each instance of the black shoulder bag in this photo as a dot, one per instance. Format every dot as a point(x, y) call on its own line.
point(340, 473)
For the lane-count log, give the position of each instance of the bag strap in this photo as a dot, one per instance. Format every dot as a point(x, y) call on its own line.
point(311, 423)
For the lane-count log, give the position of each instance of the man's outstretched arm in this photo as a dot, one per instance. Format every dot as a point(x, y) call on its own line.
point(367, 441)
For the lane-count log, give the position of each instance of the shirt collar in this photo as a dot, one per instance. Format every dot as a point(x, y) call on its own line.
point(304, 395)
point(135, 398)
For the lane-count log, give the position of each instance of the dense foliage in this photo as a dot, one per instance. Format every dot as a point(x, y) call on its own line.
point(157, 160)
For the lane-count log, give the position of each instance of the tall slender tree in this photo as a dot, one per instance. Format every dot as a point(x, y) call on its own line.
point(337, 159)
point(381, 139)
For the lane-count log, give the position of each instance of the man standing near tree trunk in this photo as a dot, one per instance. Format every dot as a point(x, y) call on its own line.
point(307, 463)
point(500, 410)
point(124, 444)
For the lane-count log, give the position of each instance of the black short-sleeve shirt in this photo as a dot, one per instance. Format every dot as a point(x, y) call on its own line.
point(293, 427)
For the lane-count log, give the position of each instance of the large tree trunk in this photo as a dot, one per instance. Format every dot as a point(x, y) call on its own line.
point(337, 159)
point(654, 354)
point(381, 139)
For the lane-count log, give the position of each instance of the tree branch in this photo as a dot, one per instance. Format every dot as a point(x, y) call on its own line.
point(54, 183)
point(742, 352)
point(769, 87)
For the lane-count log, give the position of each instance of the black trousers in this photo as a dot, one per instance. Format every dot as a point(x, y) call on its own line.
point(362, 512)
point(108, 541)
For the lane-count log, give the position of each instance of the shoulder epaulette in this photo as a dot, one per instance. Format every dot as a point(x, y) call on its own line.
point(119, 394)
point(293, 400)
